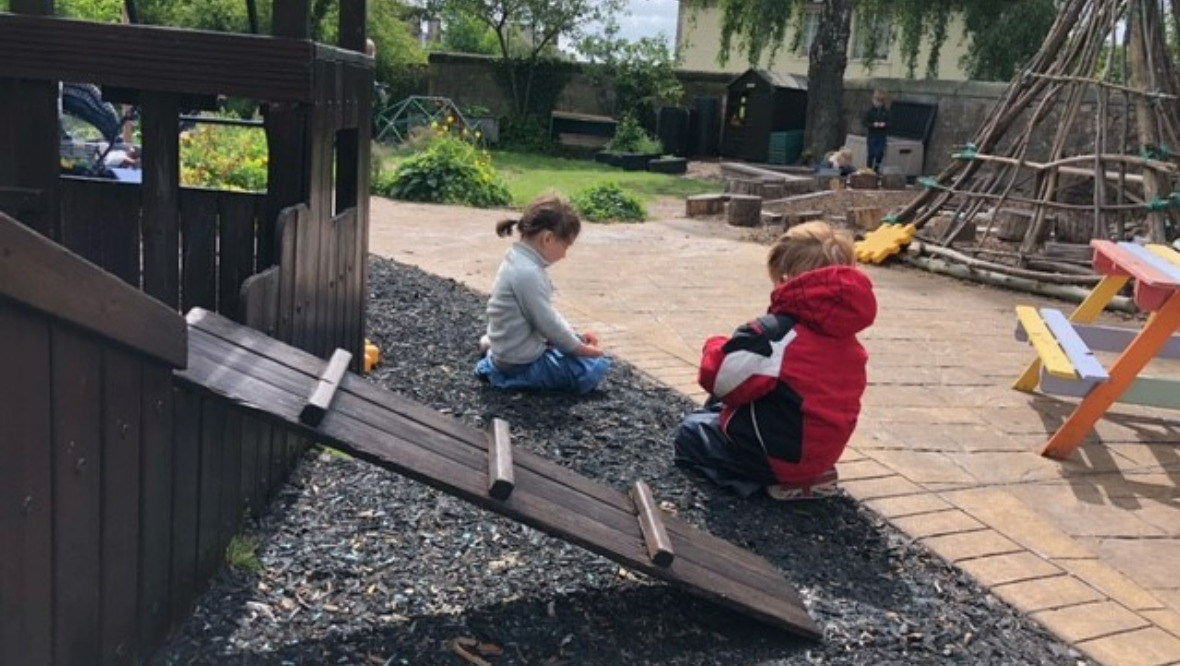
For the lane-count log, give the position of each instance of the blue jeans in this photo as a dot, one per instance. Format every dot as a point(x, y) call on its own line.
point(876, 151)
point(554, 371)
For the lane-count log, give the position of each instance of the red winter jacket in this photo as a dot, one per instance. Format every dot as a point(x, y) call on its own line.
point(791, 380)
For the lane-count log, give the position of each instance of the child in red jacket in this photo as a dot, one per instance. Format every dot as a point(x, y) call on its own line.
point(786, 387)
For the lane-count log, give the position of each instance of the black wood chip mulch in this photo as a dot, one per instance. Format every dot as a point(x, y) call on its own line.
point(361, 566)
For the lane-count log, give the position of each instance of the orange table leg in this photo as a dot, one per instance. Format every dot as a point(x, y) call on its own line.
point(1126, 368)
point(1087, 311)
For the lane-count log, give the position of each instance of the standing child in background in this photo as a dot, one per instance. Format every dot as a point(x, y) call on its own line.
point(529, 345)
point(876, 122)
point(786, 387)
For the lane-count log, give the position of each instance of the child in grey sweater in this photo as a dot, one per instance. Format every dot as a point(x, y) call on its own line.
point(529, 344)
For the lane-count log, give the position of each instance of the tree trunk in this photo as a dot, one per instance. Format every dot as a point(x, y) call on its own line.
point(828, 59)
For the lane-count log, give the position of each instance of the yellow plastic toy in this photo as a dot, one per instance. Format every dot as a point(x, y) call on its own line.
point(372, 356)
point(884, 242)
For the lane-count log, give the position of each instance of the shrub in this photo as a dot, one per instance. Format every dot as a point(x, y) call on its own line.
point(630, 137)
point(609, 202)
point(224, 157)
point(449, 169)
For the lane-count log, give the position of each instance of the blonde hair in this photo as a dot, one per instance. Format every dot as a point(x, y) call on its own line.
point(547, 212)
point(842, 156)
point(809, 246)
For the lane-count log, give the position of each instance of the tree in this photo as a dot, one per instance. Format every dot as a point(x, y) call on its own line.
point(760, 27)
point(463, 33)
point(642, 73)
point(540, 23)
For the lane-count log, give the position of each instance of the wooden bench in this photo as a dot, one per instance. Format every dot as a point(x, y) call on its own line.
point(1065, 362)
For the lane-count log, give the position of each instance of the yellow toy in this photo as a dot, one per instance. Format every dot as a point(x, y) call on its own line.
point(372, 356)
point(884, 242)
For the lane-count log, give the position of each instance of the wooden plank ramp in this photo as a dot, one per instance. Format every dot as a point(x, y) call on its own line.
point(275, 380)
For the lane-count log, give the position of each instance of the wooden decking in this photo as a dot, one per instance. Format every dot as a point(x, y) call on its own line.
point(275, 380)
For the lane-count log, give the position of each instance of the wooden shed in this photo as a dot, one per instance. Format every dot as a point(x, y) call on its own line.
point(757, 104)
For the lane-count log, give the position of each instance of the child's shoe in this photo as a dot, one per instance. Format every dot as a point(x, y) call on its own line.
point(824, 485)
point(485, 345)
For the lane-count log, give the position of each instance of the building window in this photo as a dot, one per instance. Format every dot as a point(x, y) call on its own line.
point(805, 30)
point(881, 28)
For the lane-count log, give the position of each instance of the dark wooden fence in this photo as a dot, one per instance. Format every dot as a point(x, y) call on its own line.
point(118, 490)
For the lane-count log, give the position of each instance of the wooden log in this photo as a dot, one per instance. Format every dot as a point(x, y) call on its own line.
point(797, 217)
point(773, 190)
point(704, 204)
point(1068, 251)
point(501, 479)
point(833, 182)
point(865, 218)
point(321, 396)
point(770, 219)
point(655, 536)
point(744, 210)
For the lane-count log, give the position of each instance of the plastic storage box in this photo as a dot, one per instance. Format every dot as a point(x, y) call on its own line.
point(906, 155)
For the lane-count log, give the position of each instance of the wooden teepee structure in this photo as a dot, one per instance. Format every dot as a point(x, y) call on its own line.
point(1095, 111)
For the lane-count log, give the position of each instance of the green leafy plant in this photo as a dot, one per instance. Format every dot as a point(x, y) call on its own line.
point(525, 134)
point(609, 202)
point(224, 157)
point(630, 137)
point(449, 169)
point(241, 554)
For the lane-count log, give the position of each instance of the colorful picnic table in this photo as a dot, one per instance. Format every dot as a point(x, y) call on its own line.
point(1065, 362)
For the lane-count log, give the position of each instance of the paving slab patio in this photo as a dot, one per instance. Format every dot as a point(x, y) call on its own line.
point(944, 449)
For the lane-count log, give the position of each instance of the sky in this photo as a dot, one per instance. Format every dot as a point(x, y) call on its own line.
point(647, 18)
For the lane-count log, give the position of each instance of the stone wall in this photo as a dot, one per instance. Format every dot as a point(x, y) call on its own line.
point(963, 106)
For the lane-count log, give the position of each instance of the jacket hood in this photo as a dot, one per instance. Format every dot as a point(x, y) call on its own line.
point(836, 301)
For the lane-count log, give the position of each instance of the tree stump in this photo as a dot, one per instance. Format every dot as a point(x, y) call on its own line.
point(864, 181)
point(773, 189)
point(1074, 227)
point(1011, 224)
point(747, 186)
point(865, 218)
point(744, 210)
point(829, 180)
point(795, 218)
point(893, 181)
point(940, 225)
point(704, 204)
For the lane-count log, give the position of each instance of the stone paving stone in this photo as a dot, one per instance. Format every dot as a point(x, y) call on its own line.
point(1112, 583)
point(992, 467)
point(955, 548)
point(1170, 598)
point(1151, 562)
point(902, 396)
point(1086, 621)
point(1013, 518)
point(1145, 456)
point(923, 466)
point(959, 437)
point(937, 523)
point(1061, 505)
point(1009, 568)
point(1030, 596)
point(988, 396)
point(1024, 420)
point(907, 505)
point(936, 415)
point(864, 468)
point(889, 486)
point(1166, 619)
point(1151, 646)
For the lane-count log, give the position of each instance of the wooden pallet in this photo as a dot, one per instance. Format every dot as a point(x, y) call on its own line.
point(299, 391)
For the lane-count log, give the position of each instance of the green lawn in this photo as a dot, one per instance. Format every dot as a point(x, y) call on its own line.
point(528, 175)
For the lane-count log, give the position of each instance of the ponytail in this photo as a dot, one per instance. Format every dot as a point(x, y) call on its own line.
point(504, 227)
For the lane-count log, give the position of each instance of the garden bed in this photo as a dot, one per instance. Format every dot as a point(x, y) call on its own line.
point(361, 566)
